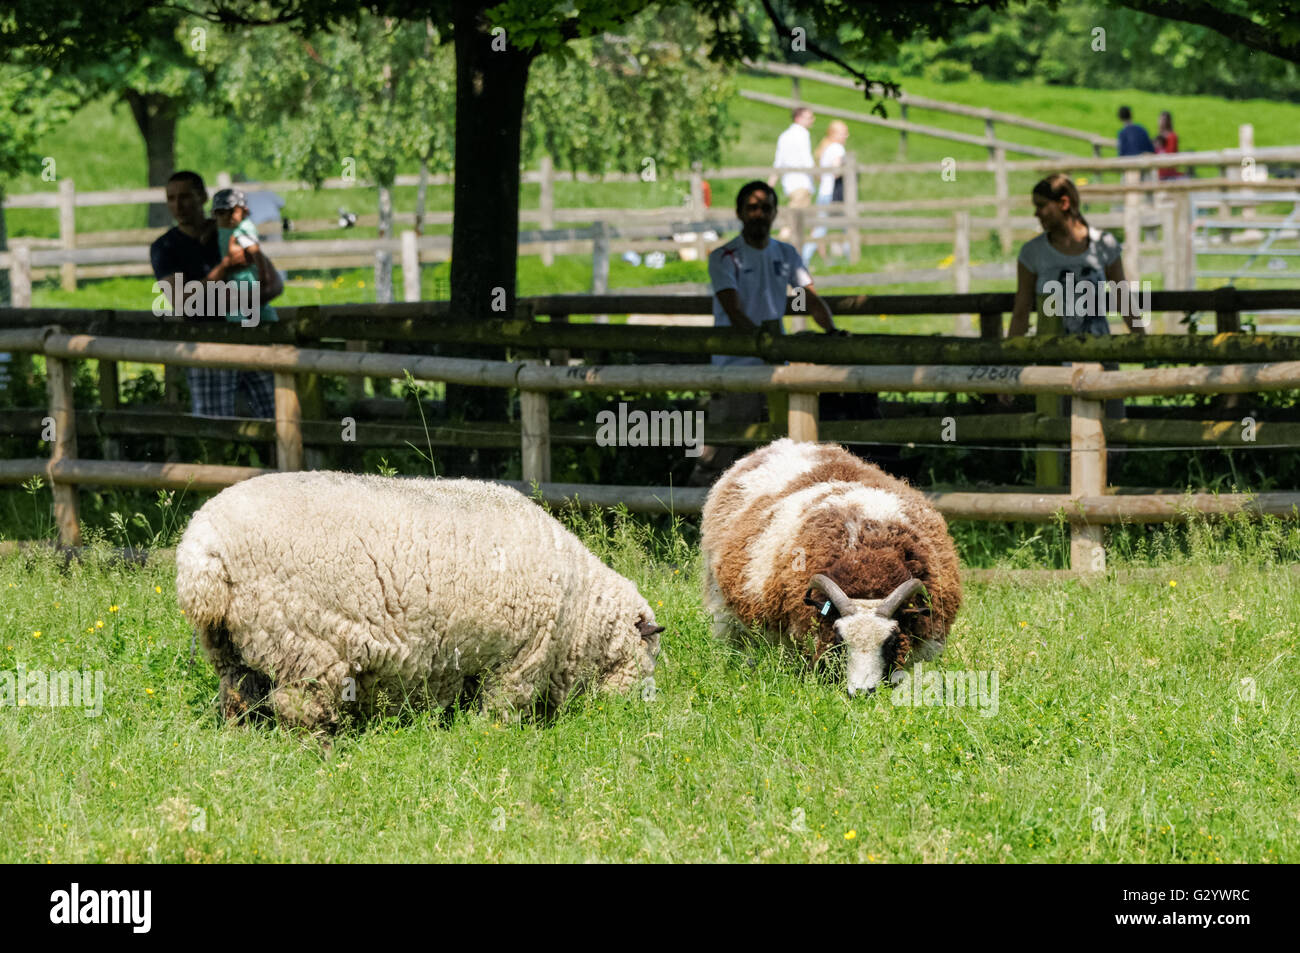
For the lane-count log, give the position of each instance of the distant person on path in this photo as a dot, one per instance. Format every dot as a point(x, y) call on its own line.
point(794, 150)
point(1133, 139)
point(750, 276)
point(829, 154)
point(190, 249)
point(1167, 141)
point(1054, 265)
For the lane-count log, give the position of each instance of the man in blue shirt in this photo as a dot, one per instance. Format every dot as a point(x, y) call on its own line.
point(1133, 137)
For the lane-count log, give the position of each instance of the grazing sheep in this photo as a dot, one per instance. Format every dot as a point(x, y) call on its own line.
point(791, 518)
point(311, 589)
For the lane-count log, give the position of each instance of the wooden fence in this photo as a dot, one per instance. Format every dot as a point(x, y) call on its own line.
point(644, 230)
point(863, 364)
point(906, 101)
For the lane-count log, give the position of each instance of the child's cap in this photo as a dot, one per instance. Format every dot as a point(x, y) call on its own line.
point(227, 199)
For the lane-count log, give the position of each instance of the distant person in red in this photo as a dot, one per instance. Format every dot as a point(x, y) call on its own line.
point(1167, 141)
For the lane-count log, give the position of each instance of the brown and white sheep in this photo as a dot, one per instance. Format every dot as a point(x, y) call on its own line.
point(791, 520)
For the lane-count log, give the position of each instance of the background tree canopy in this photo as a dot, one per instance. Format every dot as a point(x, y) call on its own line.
point(1053, 43)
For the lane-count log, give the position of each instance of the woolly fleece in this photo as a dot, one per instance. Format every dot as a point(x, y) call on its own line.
point(791, 510)
point(418, 588)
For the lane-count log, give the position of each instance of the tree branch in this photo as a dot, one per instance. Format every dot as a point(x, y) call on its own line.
point(223, 14)
point(887, 89)
point(1233, 26)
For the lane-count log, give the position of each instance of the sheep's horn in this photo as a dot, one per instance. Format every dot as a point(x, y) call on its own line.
point(894, 601)
point(827, 585)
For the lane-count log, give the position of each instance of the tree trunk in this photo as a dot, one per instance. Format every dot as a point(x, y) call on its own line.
point(490, 87)
point(155, 116)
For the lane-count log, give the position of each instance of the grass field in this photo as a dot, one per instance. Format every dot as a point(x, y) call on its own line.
point(1148, 721)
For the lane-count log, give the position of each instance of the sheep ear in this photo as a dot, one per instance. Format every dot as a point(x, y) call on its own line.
point(825, 607)
point(647, 630)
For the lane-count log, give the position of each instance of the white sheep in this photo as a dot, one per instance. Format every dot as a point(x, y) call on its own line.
point(313, 589)
point(793, 518)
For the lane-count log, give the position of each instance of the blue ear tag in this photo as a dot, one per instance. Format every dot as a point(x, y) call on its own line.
point(826, 608)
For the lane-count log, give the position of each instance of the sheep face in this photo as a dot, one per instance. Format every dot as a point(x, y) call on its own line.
point(866, 628)
point(868, 639)
point(636, 653)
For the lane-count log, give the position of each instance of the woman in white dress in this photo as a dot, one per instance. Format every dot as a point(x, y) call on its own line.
point(829, 155)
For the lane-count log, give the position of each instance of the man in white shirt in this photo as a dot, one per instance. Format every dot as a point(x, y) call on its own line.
point(750, 276)
point(794, 150)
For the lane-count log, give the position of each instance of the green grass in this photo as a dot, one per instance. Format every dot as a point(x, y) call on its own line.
point(1136, 722)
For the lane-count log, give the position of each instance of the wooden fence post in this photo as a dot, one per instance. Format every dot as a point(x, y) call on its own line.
point(851, 234)
point(961, 265)
point(990, 136)
point(600, 265)
point(1246, 143)
point(20, 275)
point(172, 398)
point(355, 384)
point(1087, 476)
point(58, 387)
point(1184, 243)
point(698, 208)
point(1168, 255)
point(1003, 198)
point(902, 133)
point(288, 422)
point(109, 401)
point(799, 322)
point(535, 436)
point(546, 172)
point(1047, 460)
point(991, 325)
point(68, 231)
point(223, 179)
point(802, 417)
point(410, 266)
point(1132, 253)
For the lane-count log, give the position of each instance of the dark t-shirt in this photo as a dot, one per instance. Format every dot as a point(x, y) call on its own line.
point(176, 252)
point(1134, 140)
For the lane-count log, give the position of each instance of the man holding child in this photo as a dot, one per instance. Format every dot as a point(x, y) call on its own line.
point(193, 251)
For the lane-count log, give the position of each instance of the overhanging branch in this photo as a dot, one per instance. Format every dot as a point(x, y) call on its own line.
point(1236, 28)
point(888, 89)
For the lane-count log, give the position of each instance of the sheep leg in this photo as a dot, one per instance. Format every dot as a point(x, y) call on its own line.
point(243, 689)
point(722, 619)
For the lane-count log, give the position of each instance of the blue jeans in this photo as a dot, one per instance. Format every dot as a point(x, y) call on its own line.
point(810, 247)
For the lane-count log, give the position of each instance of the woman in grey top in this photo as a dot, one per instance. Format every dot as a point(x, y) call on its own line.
point(1071, 267)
